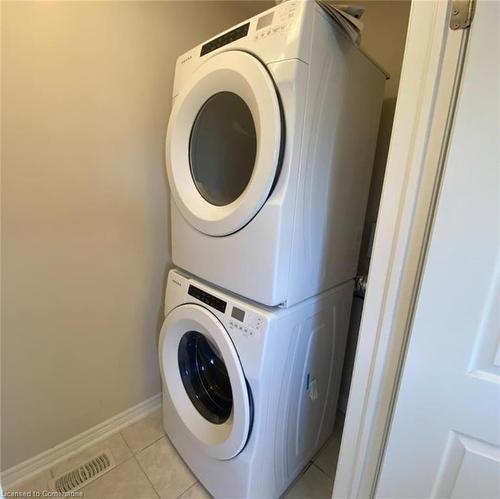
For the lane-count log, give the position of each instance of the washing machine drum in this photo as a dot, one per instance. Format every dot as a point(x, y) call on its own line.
point(204, 378)
point(224, 143)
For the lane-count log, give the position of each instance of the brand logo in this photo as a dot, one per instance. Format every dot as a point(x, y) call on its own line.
point(176, 282)
point(186, 59)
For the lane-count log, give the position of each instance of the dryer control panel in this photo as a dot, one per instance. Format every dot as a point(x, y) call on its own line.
point(278, 21)
point(220, 41)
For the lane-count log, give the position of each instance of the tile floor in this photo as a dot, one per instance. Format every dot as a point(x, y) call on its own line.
point(148, 467)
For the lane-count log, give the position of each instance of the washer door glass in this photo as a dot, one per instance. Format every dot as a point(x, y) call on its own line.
point(222, 148)
point(205, 377)
point(205, 389)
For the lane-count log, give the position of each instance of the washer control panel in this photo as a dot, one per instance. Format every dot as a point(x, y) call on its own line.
point(245, 321)
point(207, 298)
point(237, 317)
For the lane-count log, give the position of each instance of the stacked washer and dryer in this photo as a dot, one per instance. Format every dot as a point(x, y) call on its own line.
point(269, 152)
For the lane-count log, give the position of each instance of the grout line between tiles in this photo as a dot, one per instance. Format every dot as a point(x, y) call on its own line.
point(323, 472)
point(146, 475)
point(320, 468)
point(190, 487)
point(126, 443)
point(295, 481)
point(147, 446)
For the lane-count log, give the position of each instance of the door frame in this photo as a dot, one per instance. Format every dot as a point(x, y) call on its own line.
point(428, 89)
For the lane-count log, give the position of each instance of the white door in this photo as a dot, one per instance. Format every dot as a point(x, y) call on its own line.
point(444, 440)
point(202, 374)
point(224, 143)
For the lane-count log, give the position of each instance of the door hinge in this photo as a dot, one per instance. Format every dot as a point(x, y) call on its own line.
point(462, 12)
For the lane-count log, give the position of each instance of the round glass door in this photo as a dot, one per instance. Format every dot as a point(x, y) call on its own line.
point(222, 148)
point(205, 377)
point(224, 143)
point(203, 381)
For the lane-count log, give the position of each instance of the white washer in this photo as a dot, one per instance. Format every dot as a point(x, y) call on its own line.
point(249, 392)
point(269, 152)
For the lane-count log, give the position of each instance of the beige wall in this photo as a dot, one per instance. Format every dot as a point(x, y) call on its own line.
point(384, 36)
point(85, 100)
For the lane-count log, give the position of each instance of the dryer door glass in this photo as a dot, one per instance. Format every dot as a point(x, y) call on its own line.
point(222, 148)
point(205, 377)
point(225, 142)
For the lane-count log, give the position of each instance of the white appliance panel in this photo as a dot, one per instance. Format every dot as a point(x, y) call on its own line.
point(277, 348)
point(305, 237)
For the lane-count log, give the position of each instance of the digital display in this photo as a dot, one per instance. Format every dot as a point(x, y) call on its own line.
point(238, 314)
point(265, 21)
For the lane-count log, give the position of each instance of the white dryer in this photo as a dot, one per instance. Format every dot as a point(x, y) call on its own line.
point(269, 152)
point(249, 393)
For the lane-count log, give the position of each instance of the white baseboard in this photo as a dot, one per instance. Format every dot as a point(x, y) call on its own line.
point(64, 450)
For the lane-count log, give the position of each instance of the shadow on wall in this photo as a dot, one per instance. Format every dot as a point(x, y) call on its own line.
point(383, 142)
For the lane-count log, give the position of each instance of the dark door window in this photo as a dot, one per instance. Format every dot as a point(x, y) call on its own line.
point(205, 377)
point(222, 148)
